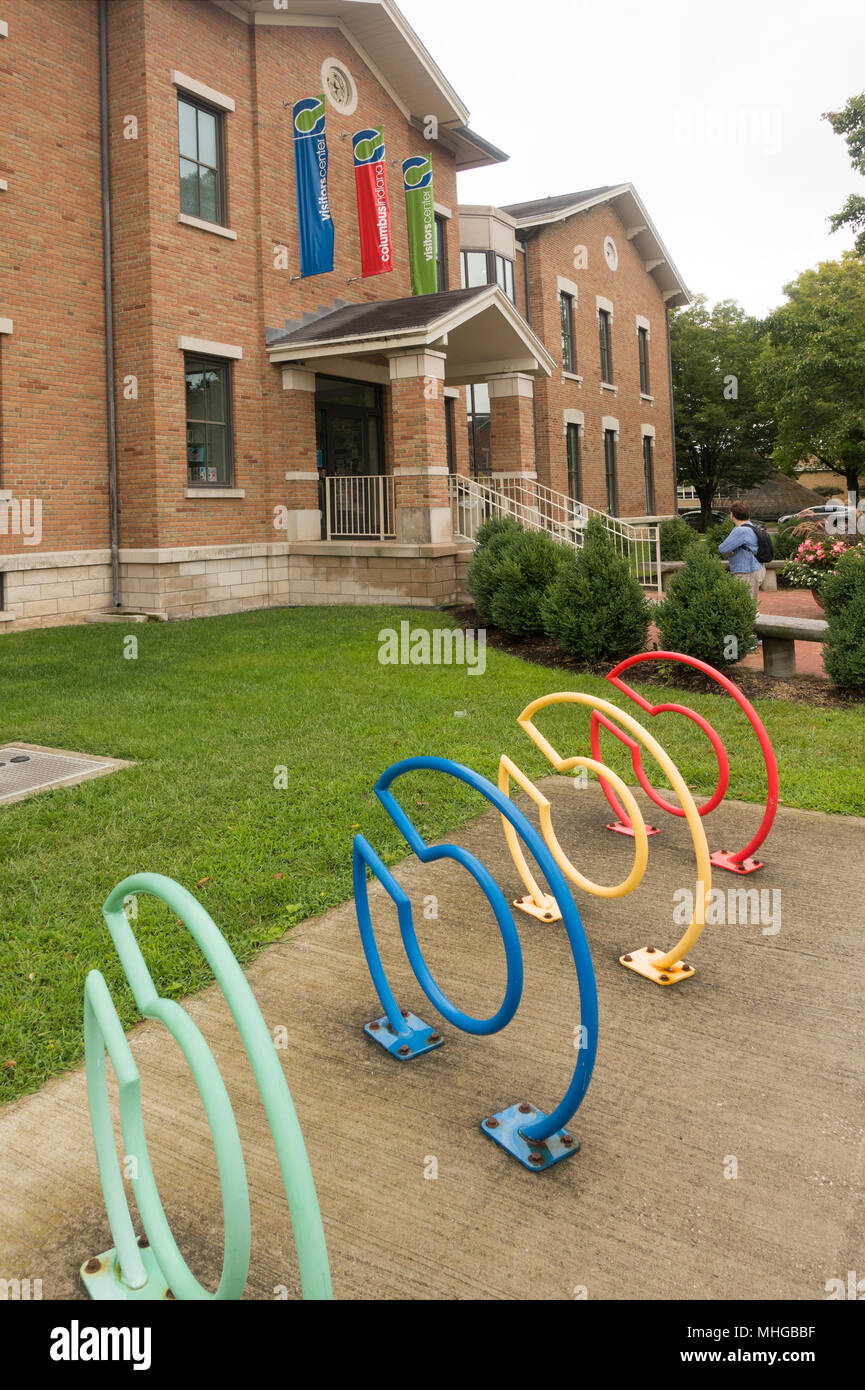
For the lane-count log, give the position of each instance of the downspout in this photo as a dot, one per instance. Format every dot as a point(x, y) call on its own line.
point(109, 305)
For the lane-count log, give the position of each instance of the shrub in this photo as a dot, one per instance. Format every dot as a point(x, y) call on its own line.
point(595, 607)
point(528, 565)
point(843, 596)
point(675, 536)
point(785, 540)
point(493, 541)
point(705, 607)
point(813, 560)
point(717, 533)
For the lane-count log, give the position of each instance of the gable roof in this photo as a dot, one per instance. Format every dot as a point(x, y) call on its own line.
point(530, 217)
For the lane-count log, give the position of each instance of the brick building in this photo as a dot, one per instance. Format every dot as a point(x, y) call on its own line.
point(203, 429)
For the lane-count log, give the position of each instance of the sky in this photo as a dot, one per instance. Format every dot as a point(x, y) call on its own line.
point(712, 111)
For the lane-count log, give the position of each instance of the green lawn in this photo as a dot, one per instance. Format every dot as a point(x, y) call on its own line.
point(209, 710)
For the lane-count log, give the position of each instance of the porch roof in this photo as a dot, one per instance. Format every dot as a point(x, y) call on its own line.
point(479, 331)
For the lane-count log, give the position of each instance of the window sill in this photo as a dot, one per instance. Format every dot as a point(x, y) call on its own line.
point(199, 222)
point(214, 492)
point(608, 386)
point(572, 376)
point(644, 396)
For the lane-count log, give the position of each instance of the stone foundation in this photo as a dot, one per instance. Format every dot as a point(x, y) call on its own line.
point(204, 581)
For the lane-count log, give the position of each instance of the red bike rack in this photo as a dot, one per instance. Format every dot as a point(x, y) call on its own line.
point(739, 861)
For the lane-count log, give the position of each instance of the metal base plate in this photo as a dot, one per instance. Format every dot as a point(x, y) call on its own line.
point(723, 859)
point(420, 1038)
point(105, 1282)
point(622, 829)
point(547, 912)
point(504, 1129)
point(642, 962)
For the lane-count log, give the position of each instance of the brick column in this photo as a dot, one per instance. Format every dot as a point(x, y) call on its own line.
point(301, 473)
point(512, 425)
point(420, 467)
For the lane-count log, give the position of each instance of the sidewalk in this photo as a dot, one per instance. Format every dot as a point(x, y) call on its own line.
point(759, 1058)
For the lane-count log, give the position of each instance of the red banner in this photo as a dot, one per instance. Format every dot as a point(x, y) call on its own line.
point(373, 206)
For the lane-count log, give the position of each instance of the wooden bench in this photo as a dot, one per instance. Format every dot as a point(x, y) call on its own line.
point(780, 635)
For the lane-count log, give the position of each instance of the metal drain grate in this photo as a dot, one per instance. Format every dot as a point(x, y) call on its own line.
point(25, 770)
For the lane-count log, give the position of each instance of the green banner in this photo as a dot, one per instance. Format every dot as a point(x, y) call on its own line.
point(420, 213)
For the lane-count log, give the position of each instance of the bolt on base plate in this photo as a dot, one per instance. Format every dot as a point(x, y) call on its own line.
point(622, 829)
point(105, 1282)
point(504, 1129)
point(642, 962)
point(420, 1037)
point(723, 859)
point(546, 911)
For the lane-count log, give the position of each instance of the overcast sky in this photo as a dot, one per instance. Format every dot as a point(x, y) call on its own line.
point(712, 111)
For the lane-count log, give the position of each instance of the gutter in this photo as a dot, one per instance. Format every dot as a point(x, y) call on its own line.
point(113, 515)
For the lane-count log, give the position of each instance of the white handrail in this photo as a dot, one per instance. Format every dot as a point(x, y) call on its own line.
point(359, 506)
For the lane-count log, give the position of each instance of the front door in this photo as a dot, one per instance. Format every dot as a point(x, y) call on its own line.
point(349, 446)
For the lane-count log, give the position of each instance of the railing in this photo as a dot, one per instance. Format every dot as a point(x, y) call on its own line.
point(539, 508)
point(361, 508)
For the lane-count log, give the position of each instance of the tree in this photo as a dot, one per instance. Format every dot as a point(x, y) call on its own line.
point(724, 434)
point(850, 122)
point(595, 607)
point(813, 369)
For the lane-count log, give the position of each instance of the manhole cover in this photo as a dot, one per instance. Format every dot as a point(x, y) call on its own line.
point(25, 770)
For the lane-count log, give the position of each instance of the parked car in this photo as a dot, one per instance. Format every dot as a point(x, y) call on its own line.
point(693, 518)
point(822, 509)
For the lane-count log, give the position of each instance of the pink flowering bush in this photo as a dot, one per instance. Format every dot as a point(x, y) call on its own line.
point(813, 561)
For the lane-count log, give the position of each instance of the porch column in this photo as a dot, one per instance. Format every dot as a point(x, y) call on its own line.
point(512, 426)
point(420, 470)
point(301, 472)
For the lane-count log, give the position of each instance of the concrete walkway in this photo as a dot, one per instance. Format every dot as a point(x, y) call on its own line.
point(793, 603)
point(758, 1059)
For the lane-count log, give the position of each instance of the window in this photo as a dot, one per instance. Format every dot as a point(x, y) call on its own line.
point(610, 468)
point(202, 179)
point(606, 339)
point(441, 252)
point(488, 268)
point(643, 349)
point(574, 464)
point(649, 472)
point(478, 412)
point(569, 356)
point(209, 446)
point(450, 433)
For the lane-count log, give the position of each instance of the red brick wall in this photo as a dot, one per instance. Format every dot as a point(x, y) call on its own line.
point(52, 367)
point(632, 291)
point(512, 436)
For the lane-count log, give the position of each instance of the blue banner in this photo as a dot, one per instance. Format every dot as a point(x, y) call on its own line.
point(314, 221)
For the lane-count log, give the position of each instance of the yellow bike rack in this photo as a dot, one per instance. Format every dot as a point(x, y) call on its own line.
point(665, 968)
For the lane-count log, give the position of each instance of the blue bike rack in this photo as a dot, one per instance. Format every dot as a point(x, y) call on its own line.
point(536, 1139)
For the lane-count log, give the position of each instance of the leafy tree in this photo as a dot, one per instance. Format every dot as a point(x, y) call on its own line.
point(813, 369)
point(724, 432)
point(850, 122)
point(675, 536)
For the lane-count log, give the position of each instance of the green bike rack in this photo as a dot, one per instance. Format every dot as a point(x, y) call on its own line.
point(152, 1266)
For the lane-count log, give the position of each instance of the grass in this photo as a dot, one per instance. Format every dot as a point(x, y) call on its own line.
point(209, 711)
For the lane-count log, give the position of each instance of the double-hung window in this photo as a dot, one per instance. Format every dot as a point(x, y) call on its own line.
point(575, 481)
point(610, 470)
point(643, 350)
point(488, 268)
point(649, 472)
point(569, 352)
point(202, 163)
point(441, 252)
point(605, 333)
point(209, 444)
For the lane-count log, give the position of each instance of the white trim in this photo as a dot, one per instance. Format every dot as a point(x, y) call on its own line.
point(572, 376)
point(4, 29)
point(442, 210)
point(200, 89)
point(415, 366)
point(513, 384)
point(643, 322)
point(5, 325)
point(608, 242)
point(564, 286)
point(644, 396)
point(357, 369)
point(421, 470)
point(296, 379)
point(214, 492)
point(608, 386)
point(303, 475)
point(647, 430)
point(602, 303)
point(452, 392)
point(351, 105)
point(208, 347)
point(573, 417)
point(609, 422)
point(3, 185)
point(189, 221)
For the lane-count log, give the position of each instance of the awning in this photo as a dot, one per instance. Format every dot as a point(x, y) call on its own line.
point(479, 330)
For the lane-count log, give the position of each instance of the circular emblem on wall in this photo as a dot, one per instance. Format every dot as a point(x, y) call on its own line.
point(610, 252)
point(339, 86)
